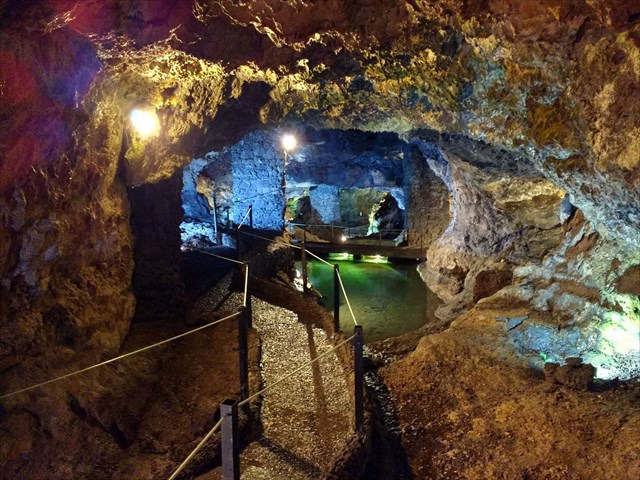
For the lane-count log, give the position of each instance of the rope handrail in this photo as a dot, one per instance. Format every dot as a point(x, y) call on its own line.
point(196, 450)
point(324, 225)
point(186, 461)
point(270, 240)
point(217, 256)
point(293, 372)
point(246, 284)
point(318, 257)
point(120, 357)
point(245, 216)
point(344, 292)
point(343, 227)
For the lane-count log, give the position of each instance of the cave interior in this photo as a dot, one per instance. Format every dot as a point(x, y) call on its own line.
point(499, 139)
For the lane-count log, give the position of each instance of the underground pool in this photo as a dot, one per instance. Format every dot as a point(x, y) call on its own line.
point(388, 298)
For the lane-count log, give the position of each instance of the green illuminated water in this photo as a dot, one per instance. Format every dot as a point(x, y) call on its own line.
point(388, 299)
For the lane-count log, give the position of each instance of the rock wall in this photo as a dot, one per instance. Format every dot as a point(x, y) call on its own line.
point(249, 173)
point(66, 245)
point(326, 201)
point(427, 201)
point(327, 166)
point(583, 312)
point(552, 83)
point(504, 213)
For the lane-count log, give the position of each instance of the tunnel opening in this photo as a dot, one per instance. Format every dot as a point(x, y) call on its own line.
point(361, 182)
point(338, 188)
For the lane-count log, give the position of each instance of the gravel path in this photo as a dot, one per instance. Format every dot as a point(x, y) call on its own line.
point(307, 419)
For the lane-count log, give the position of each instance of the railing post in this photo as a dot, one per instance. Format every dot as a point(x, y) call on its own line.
point(358, 365)
point(238, 247)
point(243, 353)
point(336, 298)
point(251, 218)
point(230, 440)
point(303, 260)
point(249, 307)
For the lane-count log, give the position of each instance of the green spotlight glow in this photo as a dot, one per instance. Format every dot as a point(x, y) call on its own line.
point(619, 338)
point(343, 257)
point(374, 259)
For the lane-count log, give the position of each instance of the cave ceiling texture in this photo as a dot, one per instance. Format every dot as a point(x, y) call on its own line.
point(526, 111)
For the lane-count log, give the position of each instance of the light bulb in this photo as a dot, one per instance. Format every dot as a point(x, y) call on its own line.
point(289, 142)
point(145, 121)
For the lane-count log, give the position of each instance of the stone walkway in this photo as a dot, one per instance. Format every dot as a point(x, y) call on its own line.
point(307, 419)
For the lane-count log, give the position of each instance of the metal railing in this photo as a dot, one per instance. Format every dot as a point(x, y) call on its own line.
point(341, 234)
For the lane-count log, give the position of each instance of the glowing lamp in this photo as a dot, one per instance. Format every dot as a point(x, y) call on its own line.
point(289, 142)
point(343, 238)
point(145, 122)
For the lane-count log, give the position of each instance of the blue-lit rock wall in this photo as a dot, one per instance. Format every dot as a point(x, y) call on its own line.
point(194, 204)
point(248, 173)
point(342, 169)
point(325, 199)
point(347, 159)
point(327, 165)
point(427, 200)
point(257, 165)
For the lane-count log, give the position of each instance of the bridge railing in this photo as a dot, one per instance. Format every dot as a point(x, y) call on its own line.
point(349, 234)
point(341, 234)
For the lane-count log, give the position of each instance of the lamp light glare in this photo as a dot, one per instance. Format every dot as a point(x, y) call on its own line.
point(145, 122)
point(343, 238)
point(289, 142)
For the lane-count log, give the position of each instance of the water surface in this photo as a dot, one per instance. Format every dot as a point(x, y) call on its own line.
point(388, 299)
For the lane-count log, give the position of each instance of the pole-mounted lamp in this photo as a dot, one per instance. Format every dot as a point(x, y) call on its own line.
point(289, 143)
